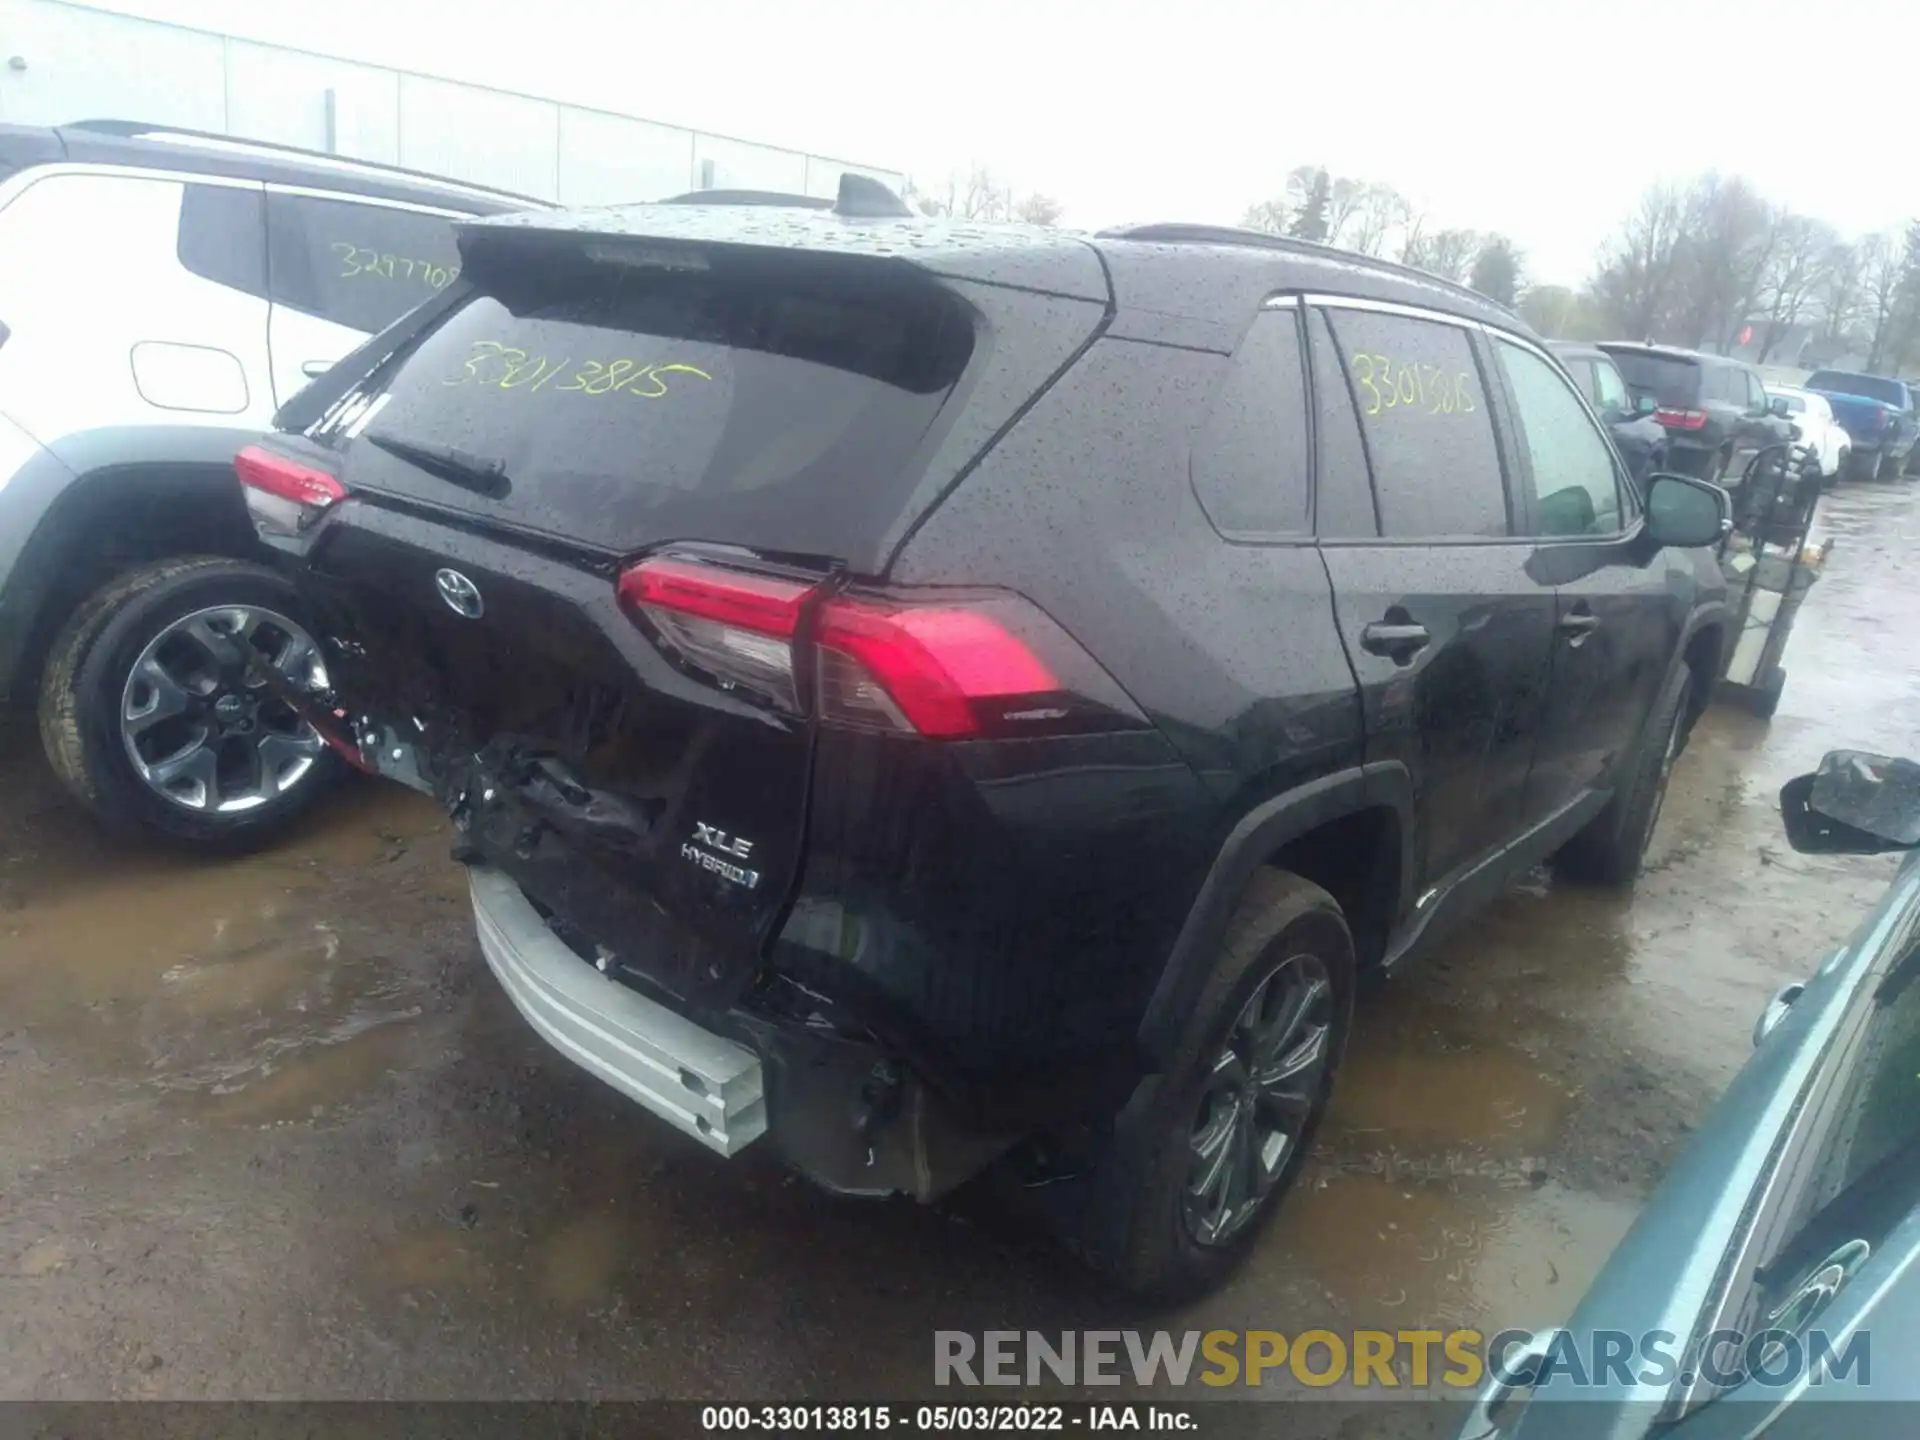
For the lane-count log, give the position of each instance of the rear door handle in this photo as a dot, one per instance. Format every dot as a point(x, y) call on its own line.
point(1579, 625)
point(314, 369)
point(1399, 643)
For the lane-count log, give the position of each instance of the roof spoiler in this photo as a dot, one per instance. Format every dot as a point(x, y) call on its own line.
point(861, 198)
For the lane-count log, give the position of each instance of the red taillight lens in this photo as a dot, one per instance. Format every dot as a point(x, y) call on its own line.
point(920, 669)
point(948, 670)
point(1681, 419)
point(283, 495)
point(737, 627)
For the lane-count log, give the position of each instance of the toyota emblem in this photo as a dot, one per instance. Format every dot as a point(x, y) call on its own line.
point(460, 593)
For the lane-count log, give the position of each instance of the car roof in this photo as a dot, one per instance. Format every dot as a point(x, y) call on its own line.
point(1577, 350)
point(1208, 273)
point(196, 152)
point(1671, 352)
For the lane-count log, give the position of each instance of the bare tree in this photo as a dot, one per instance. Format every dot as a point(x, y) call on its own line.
point(1879, 284)
point(1837, 293)
point(1272, 216)
point(1639, 268)
point(1413, 237)
point(1344, 199)
point(1037, 209)
point(1381, 212)
point(1450, 254)
point(1793, 277)
point(978, 195)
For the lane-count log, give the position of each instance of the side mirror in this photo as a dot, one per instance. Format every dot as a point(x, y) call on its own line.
point(1854, 804)
point(1645, 404)
point(1778, 406)
point(1684, 512)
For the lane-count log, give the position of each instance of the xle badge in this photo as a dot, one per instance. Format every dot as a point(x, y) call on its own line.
point(712, 839)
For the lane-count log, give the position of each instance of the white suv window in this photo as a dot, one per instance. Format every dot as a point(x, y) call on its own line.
point(362, 266)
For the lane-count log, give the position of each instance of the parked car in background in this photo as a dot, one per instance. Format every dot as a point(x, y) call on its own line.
point(1795, 1208)
point(160, 294)
point(1640, 438)
point(1715, 410)
point(855, 774)
point(1815, 428)
point(1878, 415)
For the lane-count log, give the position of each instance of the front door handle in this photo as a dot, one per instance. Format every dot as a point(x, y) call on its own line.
point(314, 369)
point(1399, 643)
point(1578, 625)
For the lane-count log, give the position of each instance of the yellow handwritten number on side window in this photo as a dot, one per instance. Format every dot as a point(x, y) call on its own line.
point(1387, 386)
point(357, 260)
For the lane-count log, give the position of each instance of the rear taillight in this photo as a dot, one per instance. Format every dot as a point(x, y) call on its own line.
point(282, 495)
point(960, 667)
point(938, 670)
point(737, 627)
point(1681, 419)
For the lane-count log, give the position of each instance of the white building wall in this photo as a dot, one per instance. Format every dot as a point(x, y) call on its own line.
point(77, 63)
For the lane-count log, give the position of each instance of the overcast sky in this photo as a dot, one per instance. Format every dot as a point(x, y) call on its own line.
point(1541, 121)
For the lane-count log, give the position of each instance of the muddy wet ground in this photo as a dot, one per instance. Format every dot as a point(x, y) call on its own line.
point(268, 1128)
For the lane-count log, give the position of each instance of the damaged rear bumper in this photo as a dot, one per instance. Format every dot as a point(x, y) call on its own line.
point(837, 1107)
point(700, 1083)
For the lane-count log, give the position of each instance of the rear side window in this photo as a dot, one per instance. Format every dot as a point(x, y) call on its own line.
point(1609, 389)
point(1250, 459)
point(223, 236)
point(1581, 369)
point(768, 406)
point(1424, 411)
point(1575, 491)
point(1671, 382)
point(358, 265)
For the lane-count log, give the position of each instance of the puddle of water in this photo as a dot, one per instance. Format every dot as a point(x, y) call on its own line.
point(1404, 1084)
point(582, 1263)
point(433, 1258)
point(1405, 1256)
point(307, 1085)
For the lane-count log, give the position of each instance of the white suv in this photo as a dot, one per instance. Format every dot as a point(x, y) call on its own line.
point(161, 294)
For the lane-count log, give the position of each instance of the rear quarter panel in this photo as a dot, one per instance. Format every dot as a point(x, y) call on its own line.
point(1087, 509)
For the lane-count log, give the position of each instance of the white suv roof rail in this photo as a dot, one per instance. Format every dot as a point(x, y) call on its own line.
point(271, 150)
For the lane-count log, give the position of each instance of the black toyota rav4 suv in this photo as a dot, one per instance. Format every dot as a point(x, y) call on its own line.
point(931, 693)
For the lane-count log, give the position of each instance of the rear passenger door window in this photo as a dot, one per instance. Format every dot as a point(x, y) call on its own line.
point(339, 270)
point(1250, 459)
point(1609, 389)
point(1575, 485)
point(1429, 433)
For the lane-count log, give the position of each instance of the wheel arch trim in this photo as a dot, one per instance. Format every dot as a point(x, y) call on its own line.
point(1264, 829)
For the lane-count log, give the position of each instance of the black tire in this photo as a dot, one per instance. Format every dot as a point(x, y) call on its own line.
point(1860, 466)
point(1887, 469)
point(1135, 1228)
point(85, 681)
point(1608, 851)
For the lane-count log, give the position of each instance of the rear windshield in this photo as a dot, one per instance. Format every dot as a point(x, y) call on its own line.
point(1670, 380)
point(777, 408)
point(1871, 387)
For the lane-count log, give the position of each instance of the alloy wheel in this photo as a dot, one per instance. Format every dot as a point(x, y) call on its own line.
point(1258, 1099)
point(201, 725)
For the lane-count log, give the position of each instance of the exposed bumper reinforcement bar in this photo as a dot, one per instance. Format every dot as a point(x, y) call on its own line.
point(696, 1081)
